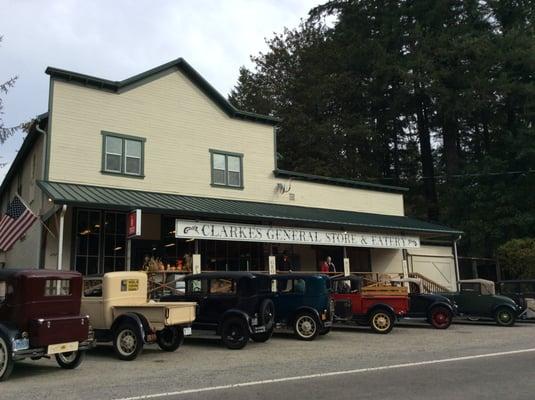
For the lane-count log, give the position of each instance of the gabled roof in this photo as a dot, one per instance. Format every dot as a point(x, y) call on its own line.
point(195, 207)
point(26, 147)
point(180, 64)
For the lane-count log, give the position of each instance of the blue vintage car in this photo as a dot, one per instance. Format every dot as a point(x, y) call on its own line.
point(303, 303)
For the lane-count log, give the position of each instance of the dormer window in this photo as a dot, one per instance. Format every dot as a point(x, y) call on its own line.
point(122, 154)
point(227, 169)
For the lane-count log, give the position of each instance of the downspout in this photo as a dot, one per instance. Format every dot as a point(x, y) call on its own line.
point(60, 239)
point(40, 251)
point(456, 259)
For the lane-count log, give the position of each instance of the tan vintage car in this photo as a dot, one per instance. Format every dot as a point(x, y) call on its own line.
point(120, 313)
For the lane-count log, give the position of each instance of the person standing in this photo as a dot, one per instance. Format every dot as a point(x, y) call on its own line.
point(331, 266)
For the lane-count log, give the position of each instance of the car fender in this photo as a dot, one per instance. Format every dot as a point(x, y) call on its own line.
point(381, 306)
point(139, 321)
point(9, 330)
point(307, 309)
point(437, 304)
point(502, 305)
point(234, 313)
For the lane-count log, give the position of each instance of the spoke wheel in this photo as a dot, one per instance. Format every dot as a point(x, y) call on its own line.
point(306, 327)
point(127, 342)
point(71, 359)
point(504, 317)
point(381, 321)
point(235, 333)
point(6, 361)
point(170, 338)
point(441, 317)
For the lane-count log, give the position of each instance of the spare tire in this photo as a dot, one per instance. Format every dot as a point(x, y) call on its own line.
point(266, 314)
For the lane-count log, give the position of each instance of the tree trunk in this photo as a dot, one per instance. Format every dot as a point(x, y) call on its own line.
point(450, 133)
point(426, 157)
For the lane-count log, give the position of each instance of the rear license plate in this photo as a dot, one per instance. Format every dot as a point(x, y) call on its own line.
point(187, 331)
point(62, 348)
point(259, 329)
point(21, 344)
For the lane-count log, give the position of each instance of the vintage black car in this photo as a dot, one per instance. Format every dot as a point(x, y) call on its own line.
point(40, 317)
point(433, 308)
point(303, 303)
point(237, 306)
point(477, 299)
point(522, 292)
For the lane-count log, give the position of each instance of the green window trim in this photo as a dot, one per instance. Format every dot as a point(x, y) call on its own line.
point(123, 155)
point(226, 184)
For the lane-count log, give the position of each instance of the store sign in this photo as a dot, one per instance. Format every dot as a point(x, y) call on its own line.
point(279, 234)
point(133, 224)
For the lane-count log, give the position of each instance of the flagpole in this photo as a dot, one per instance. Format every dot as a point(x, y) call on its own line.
point(36, 216)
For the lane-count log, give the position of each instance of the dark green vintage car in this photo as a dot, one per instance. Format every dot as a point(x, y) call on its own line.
point(477, 299)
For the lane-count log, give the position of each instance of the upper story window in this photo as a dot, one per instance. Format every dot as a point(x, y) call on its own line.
point(122, 154)
point(227, 169)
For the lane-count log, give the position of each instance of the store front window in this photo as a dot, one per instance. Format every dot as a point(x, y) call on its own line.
point(100, 241)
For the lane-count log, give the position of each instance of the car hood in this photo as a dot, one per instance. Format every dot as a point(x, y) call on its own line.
point(432, 297)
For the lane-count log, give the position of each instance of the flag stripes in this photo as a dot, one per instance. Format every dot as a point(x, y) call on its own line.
point(14, 223)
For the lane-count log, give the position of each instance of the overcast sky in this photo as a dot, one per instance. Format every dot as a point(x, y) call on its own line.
point(120, 38)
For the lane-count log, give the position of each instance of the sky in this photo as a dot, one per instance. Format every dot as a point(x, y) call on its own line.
point(115, 39)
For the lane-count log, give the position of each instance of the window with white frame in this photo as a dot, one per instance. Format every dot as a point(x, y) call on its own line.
point(123, 154)
point(227, 169)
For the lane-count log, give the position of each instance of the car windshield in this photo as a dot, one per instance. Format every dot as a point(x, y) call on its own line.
point(93, 288)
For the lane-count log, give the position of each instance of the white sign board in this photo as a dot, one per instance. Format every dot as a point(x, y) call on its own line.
point(272, 265)
point(196, 263)
point(280, 234)
point(346, 267)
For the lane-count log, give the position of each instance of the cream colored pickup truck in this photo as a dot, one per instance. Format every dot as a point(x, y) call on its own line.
point(120, 313)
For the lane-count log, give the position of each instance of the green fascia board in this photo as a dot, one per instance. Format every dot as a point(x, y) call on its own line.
point(202, 207)
point(338, 181)
point(25, 148)
point(179, 63)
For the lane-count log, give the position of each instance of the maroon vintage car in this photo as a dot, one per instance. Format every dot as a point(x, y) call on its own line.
point(40, 317)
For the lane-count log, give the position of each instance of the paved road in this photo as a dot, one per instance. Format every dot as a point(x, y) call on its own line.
point(205, 364)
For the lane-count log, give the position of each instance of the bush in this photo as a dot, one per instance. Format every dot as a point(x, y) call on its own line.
point(517, 258)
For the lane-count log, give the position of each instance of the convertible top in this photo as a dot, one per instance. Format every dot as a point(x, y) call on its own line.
point(487, 287)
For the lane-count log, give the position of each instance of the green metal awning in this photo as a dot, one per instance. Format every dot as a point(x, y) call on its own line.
point(204, 207)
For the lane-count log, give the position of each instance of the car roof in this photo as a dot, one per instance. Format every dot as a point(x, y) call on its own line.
point(298, 275)
point(344, 278)
point(222, 274)
point(34, 273)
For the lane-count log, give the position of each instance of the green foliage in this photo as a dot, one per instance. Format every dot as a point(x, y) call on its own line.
point(435, 95)
point(517, 258)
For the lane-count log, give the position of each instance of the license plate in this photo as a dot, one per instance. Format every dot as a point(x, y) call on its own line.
point(187, 331)
point(62, 348)
point(259, 329)
point(21, 344)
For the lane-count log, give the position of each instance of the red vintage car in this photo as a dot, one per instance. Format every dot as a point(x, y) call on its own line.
point(378, 309)
point(40, 317)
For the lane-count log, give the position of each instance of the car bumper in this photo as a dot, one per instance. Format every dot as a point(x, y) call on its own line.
point(42, 351)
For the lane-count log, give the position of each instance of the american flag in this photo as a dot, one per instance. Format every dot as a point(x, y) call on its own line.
point(14, 223)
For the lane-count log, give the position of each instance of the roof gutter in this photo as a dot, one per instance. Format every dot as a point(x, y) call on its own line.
point(40, 250)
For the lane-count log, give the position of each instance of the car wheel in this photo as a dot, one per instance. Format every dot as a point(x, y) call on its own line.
point(440, 317)
point(325, 331)
point(70, 360)
point(504, 317)
point(262, 337)
point(235, 333)
point(381, 321)
point(127, 341)
point(267, 313)
point(6, 359)
point(306, 326)
point(170, 338)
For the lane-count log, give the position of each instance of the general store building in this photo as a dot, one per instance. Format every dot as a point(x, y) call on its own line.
point(205, 178)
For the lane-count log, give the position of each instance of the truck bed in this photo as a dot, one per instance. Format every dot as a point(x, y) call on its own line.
point(160, 314)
